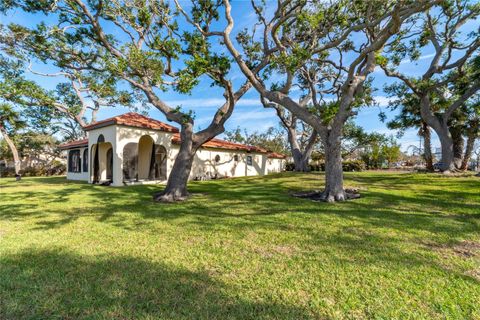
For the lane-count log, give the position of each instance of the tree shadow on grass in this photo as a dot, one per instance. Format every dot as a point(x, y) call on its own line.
point(26, 181)
point(41, 284)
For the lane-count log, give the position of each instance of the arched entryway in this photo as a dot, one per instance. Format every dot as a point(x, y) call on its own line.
point(130, 159)
point(94, 164)
point(144, 161)
point(145, 146)
point(160, 163)
point(102, 161)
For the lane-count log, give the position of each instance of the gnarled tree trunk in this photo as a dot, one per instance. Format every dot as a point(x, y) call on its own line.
point(300, 161)
point(301, 157)
point(441, 129)
point(13, 148)
point(446, 142)
point(458, 146)
point(333, 170)
point(176, 188)
point(468, 150)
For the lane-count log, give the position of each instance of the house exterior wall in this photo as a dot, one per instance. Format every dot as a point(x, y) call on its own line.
point(204, 164)
point(81, 176)
point(110, 135)
point(125, 135)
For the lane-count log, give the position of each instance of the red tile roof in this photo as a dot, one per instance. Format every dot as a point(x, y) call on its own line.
point(133, 119)
point(74, 144)
point(276, 155)
point(222, 144)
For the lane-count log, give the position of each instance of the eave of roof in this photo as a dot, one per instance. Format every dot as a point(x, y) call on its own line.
point(227, 145)
point(133, 119)
point(74, 144)
point(276, 155)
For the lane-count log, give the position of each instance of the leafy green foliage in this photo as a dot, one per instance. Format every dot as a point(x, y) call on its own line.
point(381, 151)
point(9, 118)
point(272, 139)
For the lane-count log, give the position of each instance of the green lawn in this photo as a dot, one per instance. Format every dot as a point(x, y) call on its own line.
point(242, 249)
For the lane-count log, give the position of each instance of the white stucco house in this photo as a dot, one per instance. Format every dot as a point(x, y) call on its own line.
point(134, 149)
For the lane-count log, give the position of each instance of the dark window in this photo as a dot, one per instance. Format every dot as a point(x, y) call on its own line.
point(217, 158)
point(249, 160)
point(101, 139)
point(235, 158)
point(85, 160)
point(74, 161)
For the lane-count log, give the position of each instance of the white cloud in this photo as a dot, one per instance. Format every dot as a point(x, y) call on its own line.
point(382, 100)
point(426, 56)
point(378, 69)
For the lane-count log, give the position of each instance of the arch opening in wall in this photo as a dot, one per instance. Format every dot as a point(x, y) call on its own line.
point(130, 159)
point(145, 153)
point(74, 161)
point(159, 163)
point(85, 160)
point(102, 162)
point(144, 161)
point(94, 164)
point(109, 164)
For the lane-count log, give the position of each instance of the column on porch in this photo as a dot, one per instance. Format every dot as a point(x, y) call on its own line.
point(118, 163)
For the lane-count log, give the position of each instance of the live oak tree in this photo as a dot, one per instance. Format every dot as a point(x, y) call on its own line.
point(10, 121)
point(476, 153)
point(310, 43)
point(409, 116)
point(272, 139)
point(141, 43)
point(17, 114)
point(77, 91)
point(331, 48)
point(453, 51)
point(463, 124)
point(37, 150)
point(471, 129)
point(301, 137)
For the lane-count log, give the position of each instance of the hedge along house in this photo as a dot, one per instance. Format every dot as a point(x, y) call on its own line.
point(134, 149)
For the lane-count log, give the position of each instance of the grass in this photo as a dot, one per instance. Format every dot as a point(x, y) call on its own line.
point(242, 249)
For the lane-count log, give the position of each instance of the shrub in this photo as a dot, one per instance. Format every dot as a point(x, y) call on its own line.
point(7, 172)
point(290, 166)
point(354, 165)
point(56, 168)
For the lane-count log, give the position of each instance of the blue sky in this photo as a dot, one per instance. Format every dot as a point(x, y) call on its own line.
point(249, 113)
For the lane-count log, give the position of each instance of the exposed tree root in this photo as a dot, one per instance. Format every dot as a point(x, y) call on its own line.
point(347, 194)
point(169, 197)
